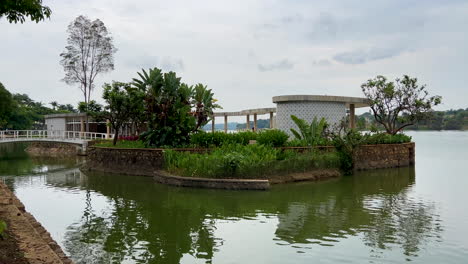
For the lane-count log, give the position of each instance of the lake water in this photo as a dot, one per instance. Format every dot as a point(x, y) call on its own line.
point(417, 214)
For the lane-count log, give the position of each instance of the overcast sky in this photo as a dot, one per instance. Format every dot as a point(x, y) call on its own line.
point(250, 50)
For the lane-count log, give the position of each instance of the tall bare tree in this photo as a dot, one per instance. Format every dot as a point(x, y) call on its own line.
point(89, 52)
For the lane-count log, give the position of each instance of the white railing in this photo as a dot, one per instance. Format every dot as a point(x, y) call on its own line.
point(52, 134)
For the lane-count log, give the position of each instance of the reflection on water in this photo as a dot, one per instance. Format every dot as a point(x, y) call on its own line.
point(368, 217)
point(15, 161)
point(151, 223)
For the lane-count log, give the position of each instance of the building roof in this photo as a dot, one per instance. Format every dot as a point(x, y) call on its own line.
point(258, 111)
point(357, 101)
point(65, 115)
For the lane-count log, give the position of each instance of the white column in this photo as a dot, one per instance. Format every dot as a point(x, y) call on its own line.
point(352, 123)
point(271, 119)
point(225, 123)
point(255, 122)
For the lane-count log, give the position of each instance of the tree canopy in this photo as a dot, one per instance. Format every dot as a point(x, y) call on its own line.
point(398, 104)
point(18, 111)
point(6, 106)
point(17, 10)
point(119, 105)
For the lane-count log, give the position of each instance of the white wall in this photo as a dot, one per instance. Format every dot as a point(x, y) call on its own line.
point(333, 112)
point(56, 123)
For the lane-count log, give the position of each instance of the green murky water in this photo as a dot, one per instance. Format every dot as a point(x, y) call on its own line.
point(417, 214)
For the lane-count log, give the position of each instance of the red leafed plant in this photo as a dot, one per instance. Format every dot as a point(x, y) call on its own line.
point(129, 138)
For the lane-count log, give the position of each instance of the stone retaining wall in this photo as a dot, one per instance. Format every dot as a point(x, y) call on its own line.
point(142, 162)
point(367, 157)
point(33, 239)
point(52, 149)
point(146, 161)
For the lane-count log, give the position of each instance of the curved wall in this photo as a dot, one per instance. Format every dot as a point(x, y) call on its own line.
point(333, 112)
point(146, 162)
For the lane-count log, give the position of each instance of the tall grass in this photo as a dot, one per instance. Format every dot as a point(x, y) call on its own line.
point(251, 161)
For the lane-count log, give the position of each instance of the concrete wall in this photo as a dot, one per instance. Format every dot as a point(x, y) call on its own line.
point(333, 112)
point(228, 184)
point(58, 123)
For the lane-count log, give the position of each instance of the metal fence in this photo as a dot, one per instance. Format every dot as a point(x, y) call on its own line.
point(51, 134)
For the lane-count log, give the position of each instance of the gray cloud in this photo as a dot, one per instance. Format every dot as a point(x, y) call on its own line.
point(361, 56)
point(281, 65)
point(322, 62)
point(324, 27)
point(166, 63)
point(296, 18)
point(236, 35)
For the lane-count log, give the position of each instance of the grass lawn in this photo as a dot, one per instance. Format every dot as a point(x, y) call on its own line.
point(121, 144)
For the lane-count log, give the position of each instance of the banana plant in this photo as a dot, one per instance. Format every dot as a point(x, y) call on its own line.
point(173, 109)
point(310, 134)
point(204, 104)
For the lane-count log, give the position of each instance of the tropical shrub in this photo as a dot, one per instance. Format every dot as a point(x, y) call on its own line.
point(174, 110)
point(345, 144)
point(204, 104)
point(310, 134)
point(272, 137)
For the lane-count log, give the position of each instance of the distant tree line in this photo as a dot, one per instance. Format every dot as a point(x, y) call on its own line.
point(438, 120)
point(261, 123)
point(19, 112)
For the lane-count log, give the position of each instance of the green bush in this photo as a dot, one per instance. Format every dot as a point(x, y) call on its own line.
point(384, 138)
point(251, 161)
point(217, 139)
point(302, 143)
point(272, 137)
point(345, 144)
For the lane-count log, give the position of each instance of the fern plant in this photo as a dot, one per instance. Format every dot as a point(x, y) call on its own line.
point(311, 134)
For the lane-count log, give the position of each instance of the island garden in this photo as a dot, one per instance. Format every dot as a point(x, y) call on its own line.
point(151, 223)
point(169, 115)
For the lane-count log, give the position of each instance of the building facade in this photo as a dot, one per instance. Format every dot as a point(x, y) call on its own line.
point(307, 107)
